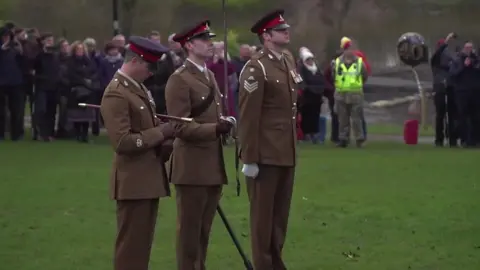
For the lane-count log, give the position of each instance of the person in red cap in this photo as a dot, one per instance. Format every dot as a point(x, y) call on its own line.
point(197, 164)
point(346, 43)
point(267, 134)
point(138, 176)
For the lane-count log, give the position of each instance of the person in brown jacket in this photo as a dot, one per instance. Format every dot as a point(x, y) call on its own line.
point(197, 165)
point(138, 176)
point(267, 133)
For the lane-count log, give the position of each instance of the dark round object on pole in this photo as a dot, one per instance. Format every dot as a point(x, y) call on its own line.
point(412, 49)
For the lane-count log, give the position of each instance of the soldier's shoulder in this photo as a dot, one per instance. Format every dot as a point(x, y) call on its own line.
point(251, 68)
point(114, 85)
point(179, 70)
point(259, 55)
point(176, 79)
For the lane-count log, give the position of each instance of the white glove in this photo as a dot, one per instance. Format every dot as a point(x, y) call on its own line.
point(250, 170)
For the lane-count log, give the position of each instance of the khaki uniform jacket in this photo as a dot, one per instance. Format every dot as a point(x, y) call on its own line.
point(197, 157)
point(267, 109)
point(132, 127)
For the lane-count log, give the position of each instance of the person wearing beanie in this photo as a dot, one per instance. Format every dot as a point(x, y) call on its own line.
point(313, 85)
point(349, 75)
point(345, 44)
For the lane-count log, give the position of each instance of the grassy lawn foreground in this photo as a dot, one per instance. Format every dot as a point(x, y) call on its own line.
point(384, 207)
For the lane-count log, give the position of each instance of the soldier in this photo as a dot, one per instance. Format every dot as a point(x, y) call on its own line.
point(138, 176)
point(267, 133)
point(197, 165)
point(349, 74)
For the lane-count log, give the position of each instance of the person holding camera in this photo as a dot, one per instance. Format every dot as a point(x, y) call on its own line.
point(11, 84)
point(444, 99)
point(465, 74)
point(47, 81)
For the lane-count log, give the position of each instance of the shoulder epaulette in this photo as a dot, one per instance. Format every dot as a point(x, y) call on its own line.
point(260, 54)
point(114, 84)
point(180, 69)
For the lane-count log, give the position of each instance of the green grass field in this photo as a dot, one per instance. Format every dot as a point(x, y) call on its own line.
point(385, 207)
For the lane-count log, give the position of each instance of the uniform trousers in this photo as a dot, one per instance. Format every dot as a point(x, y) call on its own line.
point(136, 220)
point(196, 208)
point(270, 195)
point(349, 106)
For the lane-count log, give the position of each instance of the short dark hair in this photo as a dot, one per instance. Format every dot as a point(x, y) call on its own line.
point(260, 37)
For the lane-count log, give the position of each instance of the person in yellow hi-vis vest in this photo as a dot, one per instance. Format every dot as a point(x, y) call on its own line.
point(349, 74)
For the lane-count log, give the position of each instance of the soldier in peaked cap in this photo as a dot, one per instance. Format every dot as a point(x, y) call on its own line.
point(197, 164)
point(267, 133)
point(138, 176)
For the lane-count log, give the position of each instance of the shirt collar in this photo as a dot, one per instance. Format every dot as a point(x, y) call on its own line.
point(278, 55)
point(202, 69)
point(130, 79)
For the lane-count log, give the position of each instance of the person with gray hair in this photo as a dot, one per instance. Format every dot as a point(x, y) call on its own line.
point(176, 51)
point(96, 58)
point(120, 41)
point(244, 54)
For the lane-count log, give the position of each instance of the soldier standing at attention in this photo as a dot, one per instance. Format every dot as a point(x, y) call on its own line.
point(349, 74)
point(197, 165)
point(267, 133)
point(138, 176)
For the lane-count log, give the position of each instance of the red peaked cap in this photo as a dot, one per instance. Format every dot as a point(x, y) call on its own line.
point(201, 29)
point(147, 49)
point(273, 20)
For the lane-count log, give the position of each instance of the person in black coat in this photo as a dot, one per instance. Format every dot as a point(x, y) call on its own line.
point(313, 86)
point(157, 83)
point(47, 82)
point(84, 84)
point(11, 84)
point(445, 118)
point(63, 129)
point(465, 75)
